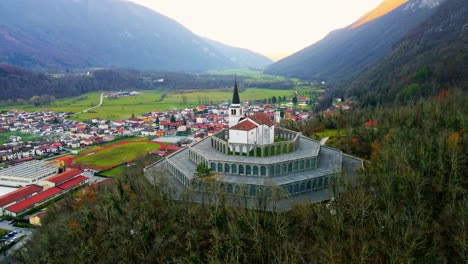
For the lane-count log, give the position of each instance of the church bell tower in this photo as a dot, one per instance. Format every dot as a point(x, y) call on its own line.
point(235, 109)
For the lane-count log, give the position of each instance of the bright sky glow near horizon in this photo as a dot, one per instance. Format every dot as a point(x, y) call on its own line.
point(275, 28)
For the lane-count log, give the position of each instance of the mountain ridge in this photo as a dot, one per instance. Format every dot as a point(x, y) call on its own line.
point(344, 52)
point(100, 33)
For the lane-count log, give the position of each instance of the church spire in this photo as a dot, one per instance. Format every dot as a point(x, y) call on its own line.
point(235, 96)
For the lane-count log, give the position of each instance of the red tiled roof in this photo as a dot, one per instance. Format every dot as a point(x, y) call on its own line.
point(64, 176)
point(73, 182)
point(31, 201)
point(262, 119)
point(18, 194)
point(370, 123)
point(245, 125)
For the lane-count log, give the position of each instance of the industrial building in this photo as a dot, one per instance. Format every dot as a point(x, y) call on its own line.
point(27, 173)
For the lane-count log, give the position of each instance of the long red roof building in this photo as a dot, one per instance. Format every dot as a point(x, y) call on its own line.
point(73, 182)
point(19, 194)
point(33, 200)
point(64, 176)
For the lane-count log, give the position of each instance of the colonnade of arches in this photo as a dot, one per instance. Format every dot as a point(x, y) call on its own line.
point(264, 191)
point(264, 170)
point(178, 174)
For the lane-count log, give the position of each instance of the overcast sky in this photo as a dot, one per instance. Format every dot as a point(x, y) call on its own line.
point(275, 28)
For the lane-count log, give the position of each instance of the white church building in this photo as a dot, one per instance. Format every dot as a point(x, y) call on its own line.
point(258, 129)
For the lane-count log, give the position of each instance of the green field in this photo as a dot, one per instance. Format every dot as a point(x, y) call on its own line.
point(329, 133)
point(149, 100)
point(4, 137)
point(115, 155)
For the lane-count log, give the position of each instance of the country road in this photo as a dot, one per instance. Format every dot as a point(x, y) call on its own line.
point(101, 100)
point(324, 140)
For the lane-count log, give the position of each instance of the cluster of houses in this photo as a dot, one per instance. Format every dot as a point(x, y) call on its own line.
point(338, 104)
point(63, 133)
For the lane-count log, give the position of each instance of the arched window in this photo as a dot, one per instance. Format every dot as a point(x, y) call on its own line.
point(213, 166)
point(255, 170)
point(290, 167)
point(296, 188)
point(237, 189)
point(227, 168)
point(314, 185)
point(278, 169)
point(241, 169)
point(278, 149)
point(259, 191)
point(308, 164)
point(312, 163)
point(229, 188)
point(220, 167)
point(296, 166)
point(309, 185)
point(234, 169)
point(253, 191)
point(301, 164)
point(325, 182)
point(290, 189)
point(272, 170)
point(302, 186)
point(320, 182)
point(284, 168)
point(248, 170)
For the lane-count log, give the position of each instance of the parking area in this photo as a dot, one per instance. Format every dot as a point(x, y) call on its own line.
point(15, 233)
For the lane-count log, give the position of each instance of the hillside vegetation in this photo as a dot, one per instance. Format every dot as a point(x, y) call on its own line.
point(431, 58)
point(409, 205)
point(106, 33)
point(345, 52)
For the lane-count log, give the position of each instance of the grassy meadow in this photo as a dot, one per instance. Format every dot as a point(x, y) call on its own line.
point(149, 100)
point(115, 155)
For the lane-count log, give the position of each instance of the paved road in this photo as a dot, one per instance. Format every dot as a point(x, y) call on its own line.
point(101, 100)
point(22, 231)
point(324, 140)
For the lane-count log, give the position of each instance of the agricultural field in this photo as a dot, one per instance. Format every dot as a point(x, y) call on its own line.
point(149, 100)
point(100, 158)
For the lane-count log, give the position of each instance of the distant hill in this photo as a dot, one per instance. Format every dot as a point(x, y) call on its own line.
point(345, 52)
point(65, 34)
point(244, 58)
point(430, 58)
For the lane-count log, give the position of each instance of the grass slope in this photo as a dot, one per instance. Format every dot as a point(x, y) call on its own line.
point(115, 155)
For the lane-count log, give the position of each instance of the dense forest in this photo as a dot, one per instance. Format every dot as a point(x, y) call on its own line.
point(430, 58)
point(20, 84)
point(409, 205)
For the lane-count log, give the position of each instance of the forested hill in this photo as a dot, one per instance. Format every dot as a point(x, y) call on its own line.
point(65, 34)
point(409, 206)
point(18, 84)
point(432, 57)
point(345, 52)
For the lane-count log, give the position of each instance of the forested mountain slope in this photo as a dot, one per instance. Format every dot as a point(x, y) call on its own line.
point(65, 34)
point(430, 58)
point(345, 52)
